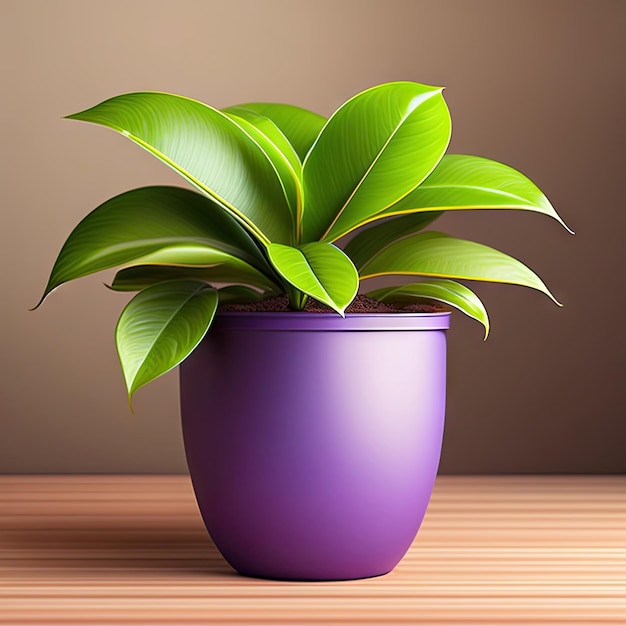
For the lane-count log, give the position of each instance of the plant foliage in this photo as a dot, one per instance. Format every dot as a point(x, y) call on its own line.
point(275, 187)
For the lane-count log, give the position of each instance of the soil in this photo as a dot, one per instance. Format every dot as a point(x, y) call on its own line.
point(361, 304)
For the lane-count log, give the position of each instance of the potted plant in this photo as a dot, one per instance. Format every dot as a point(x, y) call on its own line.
point(312, 433)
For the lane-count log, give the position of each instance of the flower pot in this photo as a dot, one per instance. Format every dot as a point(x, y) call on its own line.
point(313, 441)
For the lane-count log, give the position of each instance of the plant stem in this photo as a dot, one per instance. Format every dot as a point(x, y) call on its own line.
point(297, 299)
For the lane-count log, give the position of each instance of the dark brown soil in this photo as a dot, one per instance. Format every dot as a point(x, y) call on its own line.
point(361, 304)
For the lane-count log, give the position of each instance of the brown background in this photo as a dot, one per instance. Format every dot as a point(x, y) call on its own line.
point(537, 84)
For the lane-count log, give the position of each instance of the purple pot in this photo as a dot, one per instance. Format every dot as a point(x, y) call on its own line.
point(313, 441)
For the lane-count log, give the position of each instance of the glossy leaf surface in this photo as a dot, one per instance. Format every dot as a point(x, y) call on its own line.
point(271, 132)
point(160, 327)
point(208, 149)
point(469, 182)
point(144, 221)
point(189, 262)
point(239, 294)
point(446, 291)
point(288, 173)
point(319, 270)
point(437, 254)
point(368, 242)
point(300, 126)
point(374, 150)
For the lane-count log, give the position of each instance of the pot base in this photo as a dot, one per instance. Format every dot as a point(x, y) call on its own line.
point(323, 579)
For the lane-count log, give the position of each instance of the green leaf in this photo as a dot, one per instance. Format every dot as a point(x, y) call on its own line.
point(219, 266)
point(209, 150)
point(462, 182)
point(160, 327)
point(447, 291)
point(238, 294)
point(143, 221)
point(365, 244)
point(437, 254)
point(375, 149)
point(300, 126)
point(319, 270)
point(280, 153)
point(271, 132)
point(190, 262)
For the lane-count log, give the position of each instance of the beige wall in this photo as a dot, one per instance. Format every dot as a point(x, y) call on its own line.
point(537, 84)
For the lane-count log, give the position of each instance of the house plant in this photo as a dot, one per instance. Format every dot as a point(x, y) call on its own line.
point(279, 191)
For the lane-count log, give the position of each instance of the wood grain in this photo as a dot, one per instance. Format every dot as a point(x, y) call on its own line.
point(98, 550)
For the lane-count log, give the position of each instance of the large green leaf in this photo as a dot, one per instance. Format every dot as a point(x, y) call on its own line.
point(375, 149)
point(447, 291)
point(160, 327)
point(469, 182)
point(300, 126)
point(208, 149)
point(143, 221)
point(365, 244)
point(437, 254)
point(190, 262)
point(319, 270)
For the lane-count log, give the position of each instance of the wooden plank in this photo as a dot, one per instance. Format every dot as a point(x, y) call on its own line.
point(515, 550)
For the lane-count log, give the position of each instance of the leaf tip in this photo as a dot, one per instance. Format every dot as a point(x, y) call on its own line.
point(549, 293)
point(39, 303)
point(552, 213)
point(130, 402)
point(561, 221)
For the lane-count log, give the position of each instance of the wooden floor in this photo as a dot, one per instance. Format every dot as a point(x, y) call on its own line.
point(492, 550)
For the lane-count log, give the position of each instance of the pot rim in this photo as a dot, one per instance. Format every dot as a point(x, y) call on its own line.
point(304, 320)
